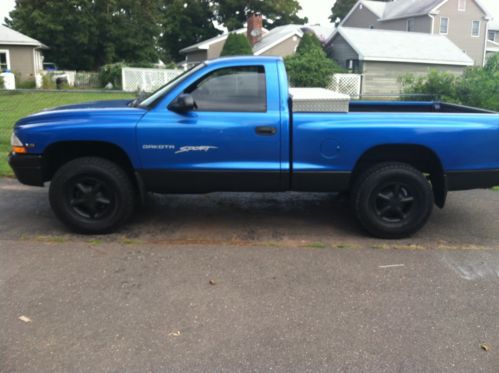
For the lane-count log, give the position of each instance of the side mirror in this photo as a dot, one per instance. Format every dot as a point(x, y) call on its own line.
point(182, 104)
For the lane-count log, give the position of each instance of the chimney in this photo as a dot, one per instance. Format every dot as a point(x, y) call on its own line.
point(255, 28)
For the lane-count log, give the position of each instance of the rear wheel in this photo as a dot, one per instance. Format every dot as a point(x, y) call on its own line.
point(92, 195)
point(392, 200)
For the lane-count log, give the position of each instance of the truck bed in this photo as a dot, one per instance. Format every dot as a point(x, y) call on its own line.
point(413, 107)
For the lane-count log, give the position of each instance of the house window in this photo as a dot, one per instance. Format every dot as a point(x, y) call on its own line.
point(461, 5)
point(353, 66)
point(475, 29)
point(444, 25)
point(411, 25)
point(4, 60)
point(492, 35)
point(232, 89)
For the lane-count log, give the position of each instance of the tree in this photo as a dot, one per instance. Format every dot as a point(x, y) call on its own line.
point(233, 13)
point(342, 7)
point(237, 45)
point(310, 66)
point(308, 43)
point(85, 34)
point(185, 22)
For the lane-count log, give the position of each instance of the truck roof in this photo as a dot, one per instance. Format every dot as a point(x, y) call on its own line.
point(245, 59)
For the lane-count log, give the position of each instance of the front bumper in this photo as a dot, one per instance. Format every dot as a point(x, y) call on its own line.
point(28, 168)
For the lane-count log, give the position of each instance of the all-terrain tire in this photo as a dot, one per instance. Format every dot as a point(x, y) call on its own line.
point(392, 200)
point(92, 195)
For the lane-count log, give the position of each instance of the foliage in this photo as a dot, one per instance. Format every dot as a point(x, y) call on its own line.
point(26, 84)
point(111, 74)
point(476, 87)
point(308, 43)
point(233, 13)
point(310, 66)
point(86, 34)
point(479, 86)
point(185, 22)
point(342, 7)
point(237, 45)
point(437, 84)
point(16, 105)
point(2, 84)
point(48, 82)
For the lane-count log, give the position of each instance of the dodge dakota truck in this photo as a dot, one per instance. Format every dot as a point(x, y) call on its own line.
point(232, 125)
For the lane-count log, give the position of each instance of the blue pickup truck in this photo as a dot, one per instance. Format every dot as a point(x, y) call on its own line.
point(230, 125)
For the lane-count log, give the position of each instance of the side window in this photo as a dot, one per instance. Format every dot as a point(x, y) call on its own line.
point(4, 61)
point(444, 25)
point(411, 25)
point(233, 89)
point(475, 29)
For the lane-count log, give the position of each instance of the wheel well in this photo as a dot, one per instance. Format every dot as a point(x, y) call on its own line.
point(420, 157)
point(60, 153)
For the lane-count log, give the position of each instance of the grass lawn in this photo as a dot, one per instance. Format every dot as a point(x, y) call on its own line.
point(15, 105)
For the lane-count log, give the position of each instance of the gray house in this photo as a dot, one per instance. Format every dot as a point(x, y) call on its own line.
point(383, 56)
point(493, 37)
point(280, 41)
point(493, 34)
point(464, 22)
point(20, 53)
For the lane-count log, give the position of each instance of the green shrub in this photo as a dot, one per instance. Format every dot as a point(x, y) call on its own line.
point(479, 86)
point(237, 45)
point(437, 84)
point(26, 84)
point(2, 84)
point(48, 82)
point(308, 43)
point(310, 66)
point(476, 87)
point(111, 74)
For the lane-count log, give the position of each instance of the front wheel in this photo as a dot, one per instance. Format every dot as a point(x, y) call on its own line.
point(92, 195)
point(392, 200)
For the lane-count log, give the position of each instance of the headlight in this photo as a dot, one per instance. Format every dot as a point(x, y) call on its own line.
point(17, 145)
point(14, 140)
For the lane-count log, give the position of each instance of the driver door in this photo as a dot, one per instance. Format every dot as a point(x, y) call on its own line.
point(230, 141)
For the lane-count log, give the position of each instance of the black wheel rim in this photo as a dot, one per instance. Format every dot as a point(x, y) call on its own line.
point(90, 198)
point(394, 203)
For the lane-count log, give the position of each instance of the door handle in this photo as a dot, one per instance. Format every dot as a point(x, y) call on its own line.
point(266, 130)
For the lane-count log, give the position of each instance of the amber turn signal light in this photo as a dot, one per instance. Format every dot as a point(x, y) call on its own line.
point(19, 150)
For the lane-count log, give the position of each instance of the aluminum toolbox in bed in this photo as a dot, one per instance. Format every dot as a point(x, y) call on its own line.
point(318, 100)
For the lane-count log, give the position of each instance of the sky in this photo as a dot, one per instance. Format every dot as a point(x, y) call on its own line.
point(317, 11)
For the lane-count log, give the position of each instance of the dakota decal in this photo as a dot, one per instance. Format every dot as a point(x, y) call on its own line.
point(182, 149)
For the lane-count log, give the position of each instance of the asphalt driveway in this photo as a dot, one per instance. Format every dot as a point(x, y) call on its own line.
point(242, 282)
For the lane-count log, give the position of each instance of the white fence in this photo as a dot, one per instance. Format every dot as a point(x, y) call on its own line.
point(349, 84)
point(147, 80)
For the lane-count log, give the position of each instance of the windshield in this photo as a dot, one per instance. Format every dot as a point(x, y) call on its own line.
point(153, 97)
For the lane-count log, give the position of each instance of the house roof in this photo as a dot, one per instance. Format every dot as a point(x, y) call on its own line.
point(401, 46)
point(492, 46)
point(493, 7)
point(377, 7)
point(398, 9)
point(409, 8)
point(276, 36)
point(270, 38)
point(205, 44)
point(12, 37)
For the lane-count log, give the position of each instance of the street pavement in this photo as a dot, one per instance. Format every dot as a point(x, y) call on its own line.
point(245, 282)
